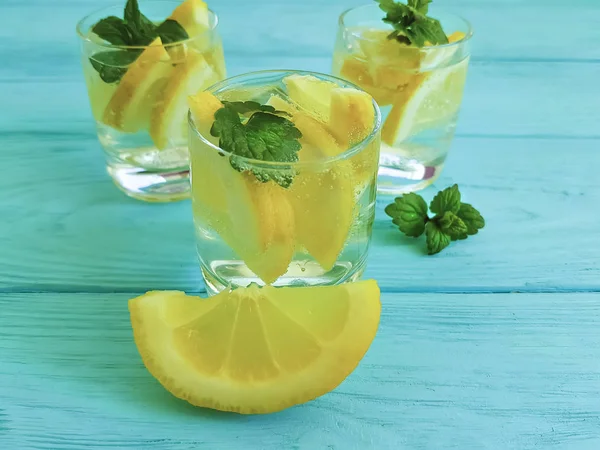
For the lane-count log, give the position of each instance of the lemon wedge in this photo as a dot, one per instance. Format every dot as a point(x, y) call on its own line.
point(128, 108)
point(323, 202)
point(168, 122)
point(311, 94)
point(99, 91)
point(433, 100)
point(252, 350)
point(358, 72)
point(255, 219)
point(352, 115)
point(192, 15)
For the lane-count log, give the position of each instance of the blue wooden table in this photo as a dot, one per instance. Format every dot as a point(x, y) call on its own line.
point(493, 344)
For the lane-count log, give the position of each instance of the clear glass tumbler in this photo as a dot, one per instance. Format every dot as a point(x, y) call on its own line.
point(419, 91)
point(296, 223)
point(138, 96)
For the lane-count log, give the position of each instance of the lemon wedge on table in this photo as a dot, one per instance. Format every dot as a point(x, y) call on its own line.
point(255, 219)
point(252, 350)
point(168, 121)
point(128, 108)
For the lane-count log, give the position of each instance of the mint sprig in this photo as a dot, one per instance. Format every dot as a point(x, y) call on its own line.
point(411, 24)
point(134, 30)
point(453, 219)
point(266, 136)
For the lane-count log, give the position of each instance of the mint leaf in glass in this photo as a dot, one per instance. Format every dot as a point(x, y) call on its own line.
point(411, 24)
point(265, 136)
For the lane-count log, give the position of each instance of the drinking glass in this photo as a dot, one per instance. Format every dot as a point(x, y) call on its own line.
point(419, 91)
point(300, 223)
point(138, 96)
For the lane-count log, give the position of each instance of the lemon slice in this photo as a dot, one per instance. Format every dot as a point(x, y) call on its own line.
point(311, 94)
point(323, 202)
point(314, 132)
point(168, 119)
point(435, 99)
point(352, 115)
point(99, 91)
point(128, 108)
point(192, 15)
point(254, 219)
point(252, 350)
point(358, 72)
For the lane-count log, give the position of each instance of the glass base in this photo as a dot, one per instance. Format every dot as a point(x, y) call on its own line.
point(151, 185)
point(407, 176)
point(223, 274)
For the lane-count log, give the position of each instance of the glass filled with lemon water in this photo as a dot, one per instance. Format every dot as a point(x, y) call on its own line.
point(140, 62)
point(418, 88)
point(283, 171)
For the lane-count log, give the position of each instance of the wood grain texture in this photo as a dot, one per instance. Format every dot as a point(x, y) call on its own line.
point(69, 229)
point(484, 369)
point(445, 371)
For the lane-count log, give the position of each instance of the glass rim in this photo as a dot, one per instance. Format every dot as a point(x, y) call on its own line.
point(84, 37)
point(346, 154)
point(467, 37)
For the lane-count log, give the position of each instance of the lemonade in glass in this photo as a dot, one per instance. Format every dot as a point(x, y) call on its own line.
point(283, 170)
point(140, 64)
point(419, 88)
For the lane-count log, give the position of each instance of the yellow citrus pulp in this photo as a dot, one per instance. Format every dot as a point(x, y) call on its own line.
point(254, 350)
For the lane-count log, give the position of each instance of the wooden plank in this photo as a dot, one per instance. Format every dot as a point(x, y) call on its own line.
point(501, 99)
point(462, 371)
point(520, 29)
point(66, 227)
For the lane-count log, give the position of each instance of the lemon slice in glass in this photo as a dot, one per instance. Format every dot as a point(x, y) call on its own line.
point(435, 99)
point(168, 121)
point(128, 108)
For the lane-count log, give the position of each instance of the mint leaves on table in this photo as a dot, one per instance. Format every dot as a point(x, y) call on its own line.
point(134, 30)
point(411, 24)
point(453, 219)
point(266, 136)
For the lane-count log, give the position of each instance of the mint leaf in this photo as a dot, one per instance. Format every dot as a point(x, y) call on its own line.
point(446, 200)
point(437, 240)
point(425, 29)
point(421, 6)
point(171, 31)
point(472, 219)
point(265, 137)
point(273, 138)
point(452, 225)
point(112, 65)
point(114, 30)
point(144, 30)
point(411, 23)
point(409, 213)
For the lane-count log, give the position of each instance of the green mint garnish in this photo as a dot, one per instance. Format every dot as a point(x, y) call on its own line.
point(266, 136)
point(409, 213)
point(411, 24)
point(453, 219)
point(135, 29)
point(107, 64)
